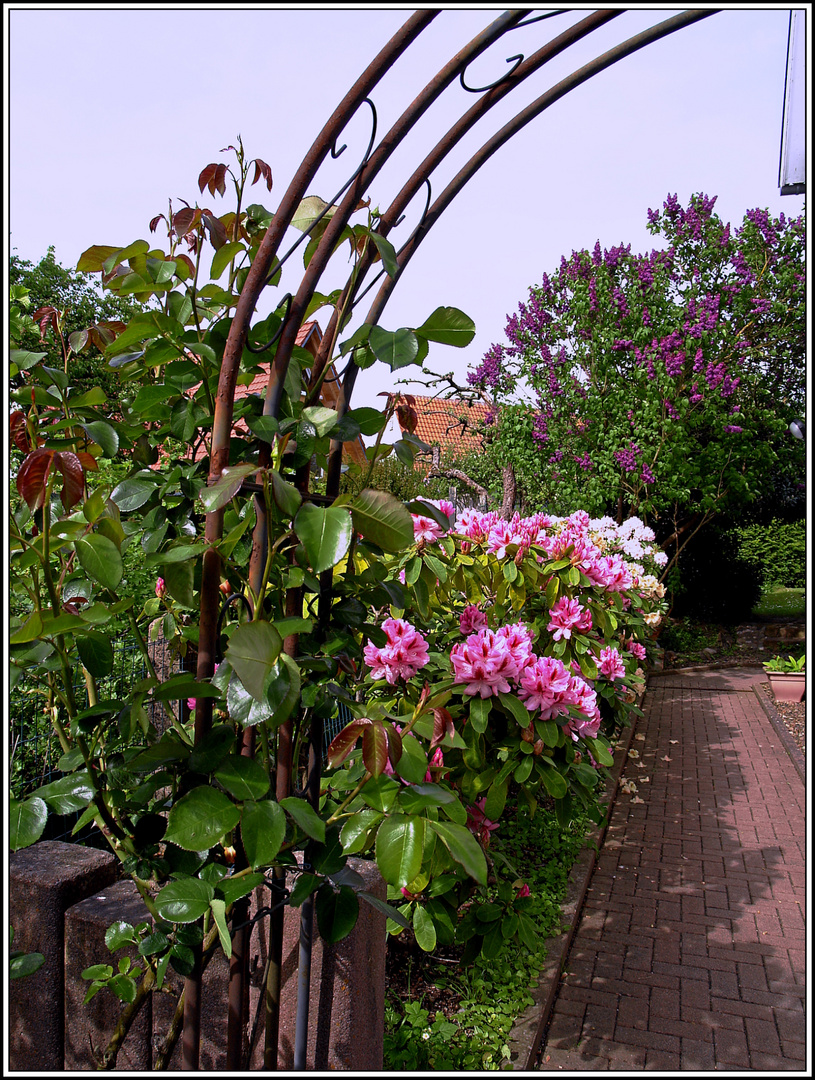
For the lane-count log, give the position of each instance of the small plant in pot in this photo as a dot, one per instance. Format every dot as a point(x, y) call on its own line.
point(787, 675)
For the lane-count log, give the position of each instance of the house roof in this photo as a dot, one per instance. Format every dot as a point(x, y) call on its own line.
point(449, 422)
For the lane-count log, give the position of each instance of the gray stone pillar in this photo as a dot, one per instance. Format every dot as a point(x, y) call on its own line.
point(44, 881)
point(347, 1000)
point(88, 1028)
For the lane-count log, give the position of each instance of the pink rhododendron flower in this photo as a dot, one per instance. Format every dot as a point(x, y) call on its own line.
point(636, 649)
point(568, 615)
point(523, 891)
point(191, 703)
point(161, 588)
point(584, 699)
point(543, 685)
point(404, 653)
point(519, 642)
point(436, 762)
point(426, 529)
point(611, 664)
point(471, 620)
point(475, 525)
point(479, 824)
point(484, 663)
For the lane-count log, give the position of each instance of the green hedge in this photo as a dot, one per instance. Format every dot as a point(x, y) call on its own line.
point(778, 549)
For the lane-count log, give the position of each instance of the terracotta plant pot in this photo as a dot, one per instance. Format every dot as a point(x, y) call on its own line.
point(787, 685)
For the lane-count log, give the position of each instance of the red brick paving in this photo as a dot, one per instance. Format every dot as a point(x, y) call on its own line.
point(690, 952)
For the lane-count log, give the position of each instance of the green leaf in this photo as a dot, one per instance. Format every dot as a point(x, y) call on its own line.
point(243, 777)
point(325, 534)
point(67, 794)
point(264, 427)
point(24, 359)
point(399, 847)
point(103, 434)
point(96, 653)
point(286, 495)
point(184, 901)
point(200, 818)
point(224, 256)
point(226, 488)
point(132, 493)
point(263, 829)
point(480, 713)
point(252, 651)
point(356, 829)
point(281, 691)
point(26, 822)
point(448, 326)
point(231, 889)
point(383, 519)
point(424, 929)
point(397, 349)
point(306, 817)
point(463, 847)
point(416, 797)
point(213, 748)
point(599, 751)
point(516, 708)
point(337, 912)
point(27, 964)
point(553, 781)
point(218, 909)
point(93, 259)
point(380, 793)
point(322, 419)
point(100, 558)
point(118, 934)
point(412, 765)
point(387, 254)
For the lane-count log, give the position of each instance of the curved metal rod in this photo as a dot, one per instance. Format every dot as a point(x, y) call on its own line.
point(419, 224)
point(287, 299)
point(388, 144)
point(551, 49)
point(594, 67)
point(331, 202)
point(518, 58)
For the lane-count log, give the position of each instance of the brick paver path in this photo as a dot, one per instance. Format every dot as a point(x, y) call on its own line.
point(690, 952)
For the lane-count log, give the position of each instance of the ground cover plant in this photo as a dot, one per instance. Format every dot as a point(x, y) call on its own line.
point(441, 1016)
point(781, 601)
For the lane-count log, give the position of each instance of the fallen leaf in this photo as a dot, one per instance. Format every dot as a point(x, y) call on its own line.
point(666, 758)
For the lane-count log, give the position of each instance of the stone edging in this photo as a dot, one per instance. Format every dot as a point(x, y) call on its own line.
point(787, 741)
point(527, 1033)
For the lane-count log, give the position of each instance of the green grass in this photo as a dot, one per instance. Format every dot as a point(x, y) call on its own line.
point(780, 601)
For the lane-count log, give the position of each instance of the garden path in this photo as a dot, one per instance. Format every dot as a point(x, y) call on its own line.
point(690, 952)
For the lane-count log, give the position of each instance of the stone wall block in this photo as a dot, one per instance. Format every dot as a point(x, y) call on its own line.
point(44, 881)
point(89, 1028)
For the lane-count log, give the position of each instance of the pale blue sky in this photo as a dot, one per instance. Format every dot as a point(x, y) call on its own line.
point(113, 110)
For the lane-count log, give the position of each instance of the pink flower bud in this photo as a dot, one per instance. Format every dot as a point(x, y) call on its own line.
point(161, 588)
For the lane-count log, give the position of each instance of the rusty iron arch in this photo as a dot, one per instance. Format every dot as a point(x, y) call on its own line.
point(263, 268)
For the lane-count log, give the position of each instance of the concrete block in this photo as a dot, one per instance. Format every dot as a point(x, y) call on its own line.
point(44, 881)
point(89, 1028)
point(347, 999)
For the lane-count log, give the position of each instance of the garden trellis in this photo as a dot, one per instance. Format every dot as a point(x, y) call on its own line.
point(324, 227)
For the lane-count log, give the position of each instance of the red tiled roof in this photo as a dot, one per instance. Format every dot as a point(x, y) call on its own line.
point(447, 422)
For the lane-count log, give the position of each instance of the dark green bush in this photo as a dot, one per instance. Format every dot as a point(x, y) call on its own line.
point(715, 583)
point(778, 550)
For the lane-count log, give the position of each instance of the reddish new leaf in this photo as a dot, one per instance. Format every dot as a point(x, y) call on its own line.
point(73, 476)
point(88, 461)
point(394, 742)
point(217, 232)
point(262, 169)
point(206, 177)
point(45, 317)
point(442, 725)
point(155, 221)
point(212, 177)
point(343, 743)
point(184, 220)
point(375, 748)
point(18, 431)
point(187, 262)
point(32, 479)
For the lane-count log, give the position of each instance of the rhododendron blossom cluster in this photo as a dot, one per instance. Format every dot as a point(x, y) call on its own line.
point(404, 654)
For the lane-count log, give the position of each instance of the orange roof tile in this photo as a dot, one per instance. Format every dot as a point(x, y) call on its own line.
point(447, 422)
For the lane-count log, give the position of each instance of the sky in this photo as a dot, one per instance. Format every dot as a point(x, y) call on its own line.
point(114, 110)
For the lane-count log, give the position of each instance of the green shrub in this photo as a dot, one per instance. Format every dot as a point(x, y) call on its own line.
point(715, 583)
point(778, 550)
